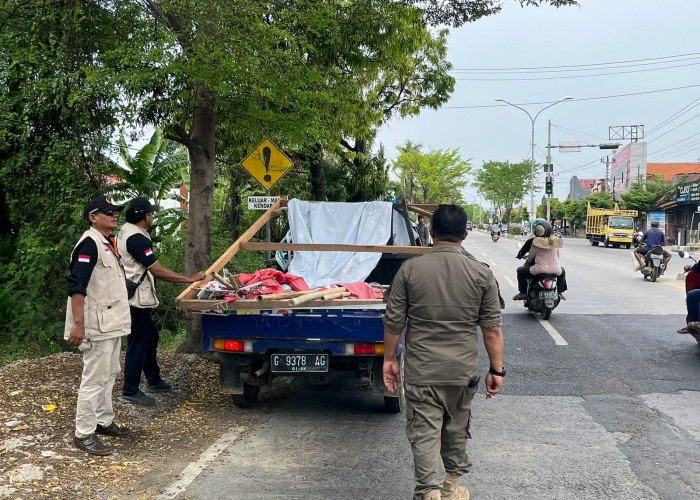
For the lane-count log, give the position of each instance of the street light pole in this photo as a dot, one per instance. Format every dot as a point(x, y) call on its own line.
point(532, 147)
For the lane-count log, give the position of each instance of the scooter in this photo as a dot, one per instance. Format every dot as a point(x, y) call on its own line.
point(692, 281)
point(542, 297)
point(654, 263)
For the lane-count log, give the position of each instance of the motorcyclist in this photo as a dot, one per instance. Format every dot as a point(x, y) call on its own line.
point(542, 258)
point(496, 228)
point(652, 237)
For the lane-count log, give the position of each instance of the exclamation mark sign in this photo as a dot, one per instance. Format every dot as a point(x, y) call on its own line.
point(267, 153)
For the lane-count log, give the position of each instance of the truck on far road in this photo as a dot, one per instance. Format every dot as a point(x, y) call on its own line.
point(610, 226)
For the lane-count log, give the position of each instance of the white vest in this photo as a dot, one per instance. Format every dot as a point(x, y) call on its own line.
point(106, 306)
point(145, 296)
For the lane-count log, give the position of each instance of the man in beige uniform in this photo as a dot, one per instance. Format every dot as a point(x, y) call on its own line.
point(97, 317)
point(443, 296)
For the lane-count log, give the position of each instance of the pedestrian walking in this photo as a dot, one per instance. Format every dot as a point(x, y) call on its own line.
point(97, 317)
point(440, 298)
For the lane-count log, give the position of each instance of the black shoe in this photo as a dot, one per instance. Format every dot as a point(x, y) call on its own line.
point(112, 430)
point(161, 386)
point(138, 399)
point(92, 445)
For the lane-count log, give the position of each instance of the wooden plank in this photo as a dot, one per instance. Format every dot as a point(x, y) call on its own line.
point(241, 305)
point(189, 292)
point(314, 296)
point(333, 247)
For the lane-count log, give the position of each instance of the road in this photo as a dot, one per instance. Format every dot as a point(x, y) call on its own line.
point(600, 402)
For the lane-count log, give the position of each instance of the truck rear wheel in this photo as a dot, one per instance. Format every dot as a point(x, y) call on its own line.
point(248, 398)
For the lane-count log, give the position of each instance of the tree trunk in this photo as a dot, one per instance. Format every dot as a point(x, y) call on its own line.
point(318, 175)
point(201, 148)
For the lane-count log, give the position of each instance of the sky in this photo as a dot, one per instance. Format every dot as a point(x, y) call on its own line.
point(618, 59)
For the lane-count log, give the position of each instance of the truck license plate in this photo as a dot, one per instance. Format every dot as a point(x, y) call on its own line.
point(292, 363)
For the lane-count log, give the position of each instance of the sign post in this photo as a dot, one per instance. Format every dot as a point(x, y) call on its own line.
point(267, 164)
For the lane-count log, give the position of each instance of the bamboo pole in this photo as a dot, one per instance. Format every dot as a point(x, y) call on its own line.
point(283, 295)
point(223, 281)
point(314, 295)
point(335, 295)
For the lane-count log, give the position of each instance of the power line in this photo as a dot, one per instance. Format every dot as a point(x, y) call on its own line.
point(560, 70)
point(575, 76)
point(565, 130)
point(674, 128)
point(675, 116)
point(614, 96)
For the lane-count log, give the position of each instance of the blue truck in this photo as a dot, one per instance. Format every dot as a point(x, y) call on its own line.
point(318, 340)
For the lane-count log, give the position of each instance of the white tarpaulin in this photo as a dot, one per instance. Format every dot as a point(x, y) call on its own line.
point(367, 223)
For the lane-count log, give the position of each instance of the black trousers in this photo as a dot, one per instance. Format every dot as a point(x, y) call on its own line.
point(141, 347)
point(524, 274)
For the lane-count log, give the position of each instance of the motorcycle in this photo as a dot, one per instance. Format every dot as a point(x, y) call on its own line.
point(542, 297)
point(557, 233)
point(654, 263)
point(494, 237)
point(637, 240)
point(692, 281)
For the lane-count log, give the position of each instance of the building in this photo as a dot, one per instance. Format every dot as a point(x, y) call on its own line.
point(580, 188)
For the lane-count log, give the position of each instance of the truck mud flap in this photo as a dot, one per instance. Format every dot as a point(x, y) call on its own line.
point(229, 375)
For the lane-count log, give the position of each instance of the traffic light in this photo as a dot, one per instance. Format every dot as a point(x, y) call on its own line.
point(548, 188)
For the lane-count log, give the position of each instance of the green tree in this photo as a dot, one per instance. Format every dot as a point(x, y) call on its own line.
point(152, 172)
point(435, 176)
point(575, 212)
point(646, 196)
point(504, 183)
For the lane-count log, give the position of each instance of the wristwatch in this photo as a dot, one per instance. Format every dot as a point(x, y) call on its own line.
point(495, 372)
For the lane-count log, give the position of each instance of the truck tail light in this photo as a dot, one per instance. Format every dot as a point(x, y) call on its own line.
point(364, 349)
point(229, 345)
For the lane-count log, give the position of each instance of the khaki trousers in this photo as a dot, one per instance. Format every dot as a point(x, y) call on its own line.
point(437, 425)
point(100, 370)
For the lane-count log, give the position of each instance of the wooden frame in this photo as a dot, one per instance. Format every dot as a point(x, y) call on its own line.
point(187, 299)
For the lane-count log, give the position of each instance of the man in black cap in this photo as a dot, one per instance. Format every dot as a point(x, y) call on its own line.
point(97, 317)
point(142, 267)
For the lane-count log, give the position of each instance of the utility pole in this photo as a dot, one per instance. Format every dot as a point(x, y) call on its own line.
point(606, 160)
point(550, 169)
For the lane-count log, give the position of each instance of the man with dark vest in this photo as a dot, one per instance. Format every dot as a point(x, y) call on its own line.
point(142, 267)
point(97, 317)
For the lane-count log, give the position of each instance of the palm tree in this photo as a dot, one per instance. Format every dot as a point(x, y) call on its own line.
point(154, 172)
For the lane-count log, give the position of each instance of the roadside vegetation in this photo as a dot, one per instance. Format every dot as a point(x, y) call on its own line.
point(83, 83)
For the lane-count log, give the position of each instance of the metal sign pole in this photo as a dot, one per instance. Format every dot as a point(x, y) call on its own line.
point(267, 231)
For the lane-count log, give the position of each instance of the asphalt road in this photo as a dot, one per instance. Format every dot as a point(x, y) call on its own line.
point(600, 402)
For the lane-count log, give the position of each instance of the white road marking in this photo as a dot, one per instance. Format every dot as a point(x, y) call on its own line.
point(195, 468)
point(510, 281)
point(558, 339)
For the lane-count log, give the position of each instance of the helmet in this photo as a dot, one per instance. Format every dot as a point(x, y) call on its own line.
point(542, 228)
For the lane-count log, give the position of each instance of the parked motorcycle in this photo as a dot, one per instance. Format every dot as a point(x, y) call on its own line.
point(692, 281)
point(654, 263)
point(542, 296)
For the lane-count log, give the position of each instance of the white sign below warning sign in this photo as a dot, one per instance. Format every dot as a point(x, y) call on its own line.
point(261, 202)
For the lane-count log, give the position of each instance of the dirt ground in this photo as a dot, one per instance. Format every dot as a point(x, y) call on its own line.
point(37, 412)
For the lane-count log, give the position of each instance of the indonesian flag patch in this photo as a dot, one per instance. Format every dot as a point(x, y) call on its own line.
point(107, 250)
point(84, 258)
point(148, 252)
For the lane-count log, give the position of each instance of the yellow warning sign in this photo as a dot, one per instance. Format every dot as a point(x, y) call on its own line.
point(267, 164)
